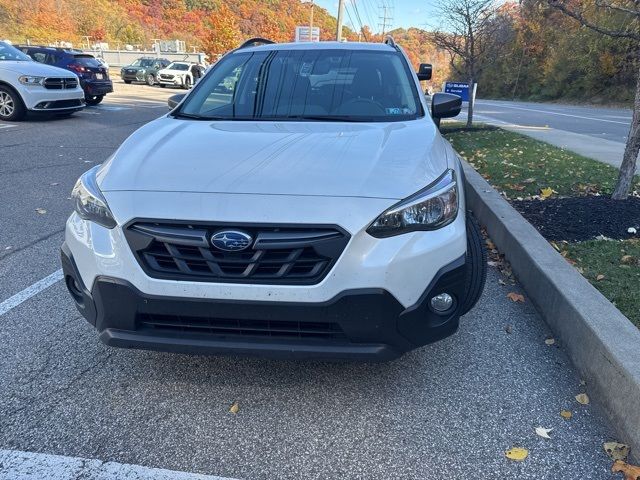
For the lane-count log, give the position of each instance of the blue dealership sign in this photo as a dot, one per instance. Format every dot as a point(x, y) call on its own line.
point(460, 88)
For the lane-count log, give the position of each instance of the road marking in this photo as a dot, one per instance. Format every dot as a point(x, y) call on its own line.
point(12, 302)
point(18, 465)
point(7, 126)
point(553, 113)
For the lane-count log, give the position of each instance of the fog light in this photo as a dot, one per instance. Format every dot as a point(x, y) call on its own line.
point(442, 302)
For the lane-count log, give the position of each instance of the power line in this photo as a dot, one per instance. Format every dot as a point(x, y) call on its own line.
point(355, 8)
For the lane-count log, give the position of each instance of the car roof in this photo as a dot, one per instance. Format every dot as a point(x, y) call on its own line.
point(320, 46)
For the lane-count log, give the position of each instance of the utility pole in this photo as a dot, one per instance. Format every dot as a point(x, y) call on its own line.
point(340, 20)
point(311, 23)
point(385, 19)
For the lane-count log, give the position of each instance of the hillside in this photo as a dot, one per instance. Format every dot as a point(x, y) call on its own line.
point(210, 25)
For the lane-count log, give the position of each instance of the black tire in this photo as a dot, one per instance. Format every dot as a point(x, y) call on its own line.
point(162, 85)
point(11, 107)
point(94, 99)
point(151, 80)
point(187, 83)
point(476, 265)
point(127, 82)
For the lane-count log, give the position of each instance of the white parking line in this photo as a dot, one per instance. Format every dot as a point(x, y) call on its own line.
point(12, 302)
point(7, 125)
point(17, 465)
point(528, 109)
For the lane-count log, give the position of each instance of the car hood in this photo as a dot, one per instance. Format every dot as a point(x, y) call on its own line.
point(378, 160)
point(172, 71)
point(35, 69)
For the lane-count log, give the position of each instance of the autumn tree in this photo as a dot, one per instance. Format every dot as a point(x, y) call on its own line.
point(223, 33)
point(617, 19)
point(465, 32)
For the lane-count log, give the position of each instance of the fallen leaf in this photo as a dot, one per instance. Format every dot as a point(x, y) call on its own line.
point(616, 451)
point(629, 260)
point(546, 192)
point(53, 184)
point(632, 230)
point(582, 398)
point(507, 329)
point(550, 341)
point(41, 211)
point(235, 407)
point(599, 277)
point(630, 472)
point(515, 297)
point(566, 414)
point(516, 453)
point(543, 432)
point(501, 282)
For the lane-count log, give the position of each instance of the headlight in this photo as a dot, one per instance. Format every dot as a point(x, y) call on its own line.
point(30, 80)
point(433, 207)
point(89, 203)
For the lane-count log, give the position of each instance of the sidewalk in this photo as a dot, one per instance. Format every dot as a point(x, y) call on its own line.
point(602, 150)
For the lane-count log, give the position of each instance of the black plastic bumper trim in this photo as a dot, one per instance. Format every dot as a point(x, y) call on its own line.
point(376, 326)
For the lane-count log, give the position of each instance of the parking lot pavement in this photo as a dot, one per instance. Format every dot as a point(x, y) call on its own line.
point(448, 410)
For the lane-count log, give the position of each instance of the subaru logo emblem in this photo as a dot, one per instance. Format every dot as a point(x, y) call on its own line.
point(231, 240)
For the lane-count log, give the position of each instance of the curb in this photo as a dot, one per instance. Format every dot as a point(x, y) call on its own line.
point(602, 343)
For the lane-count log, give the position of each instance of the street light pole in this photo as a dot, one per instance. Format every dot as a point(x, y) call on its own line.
point(340, 20)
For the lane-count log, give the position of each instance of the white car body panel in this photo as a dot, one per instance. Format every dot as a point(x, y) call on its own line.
point(376, 160)
point(31, 95)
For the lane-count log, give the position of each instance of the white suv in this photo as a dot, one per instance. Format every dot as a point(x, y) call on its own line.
point(26, 85)
point(299, 201)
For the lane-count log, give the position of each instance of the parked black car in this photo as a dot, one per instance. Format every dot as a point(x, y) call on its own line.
point(144, 69)
point(94, 76)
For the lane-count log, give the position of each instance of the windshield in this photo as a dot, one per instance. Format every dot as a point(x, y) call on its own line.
point(9, 53)
point(178, 66)
point(142, 62)
point(329, 85)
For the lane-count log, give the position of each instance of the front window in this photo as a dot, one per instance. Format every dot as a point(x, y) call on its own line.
point(143, 62)
point(330, 85)
point(9, 53)
point(178, 66)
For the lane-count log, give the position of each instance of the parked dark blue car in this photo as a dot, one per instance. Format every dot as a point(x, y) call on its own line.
point(94, 77)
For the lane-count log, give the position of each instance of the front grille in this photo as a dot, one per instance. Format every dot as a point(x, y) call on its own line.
point(240, 327)
point(275, 255)
point(56, 83)
point(164, 76)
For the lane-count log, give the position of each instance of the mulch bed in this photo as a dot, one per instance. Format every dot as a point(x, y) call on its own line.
point(577, 219)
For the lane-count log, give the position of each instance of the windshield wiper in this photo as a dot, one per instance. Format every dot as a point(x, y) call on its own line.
point(193, 116)
point(325, 118)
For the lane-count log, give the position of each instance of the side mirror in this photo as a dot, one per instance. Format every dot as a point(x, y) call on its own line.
point(445, 105)
point(424, 71)
point(174, 100)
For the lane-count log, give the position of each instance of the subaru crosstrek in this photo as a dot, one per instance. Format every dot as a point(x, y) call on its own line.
point(310, 208)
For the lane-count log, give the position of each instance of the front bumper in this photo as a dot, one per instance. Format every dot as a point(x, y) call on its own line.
point(365, 324)
point(40, 99)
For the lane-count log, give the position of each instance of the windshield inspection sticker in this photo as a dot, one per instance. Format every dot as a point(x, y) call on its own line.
point(305, 69)
point(398, 111)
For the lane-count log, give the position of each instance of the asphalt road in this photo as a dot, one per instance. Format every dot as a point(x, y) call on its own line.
point(603, 123)
point(448, 410)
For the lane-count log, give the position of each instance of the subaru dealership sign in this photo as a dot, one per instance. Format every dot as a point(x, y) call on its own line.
point(461, 89)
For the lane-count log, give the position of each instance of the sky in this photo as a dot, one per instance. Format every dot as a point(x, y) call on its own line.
point(403, 13)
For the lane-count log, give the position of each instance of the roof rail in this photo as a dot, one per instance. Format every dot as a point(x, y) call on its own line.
point(255, 41)
point(388, 40)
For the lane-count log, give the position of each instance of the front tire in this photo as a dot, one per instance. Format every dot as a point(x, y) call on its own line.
point(151, 80)
point(162, 85)
point(94, 99)
point(475, 265)
point(187, 83)
point(127, 82)
point(11, 107)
